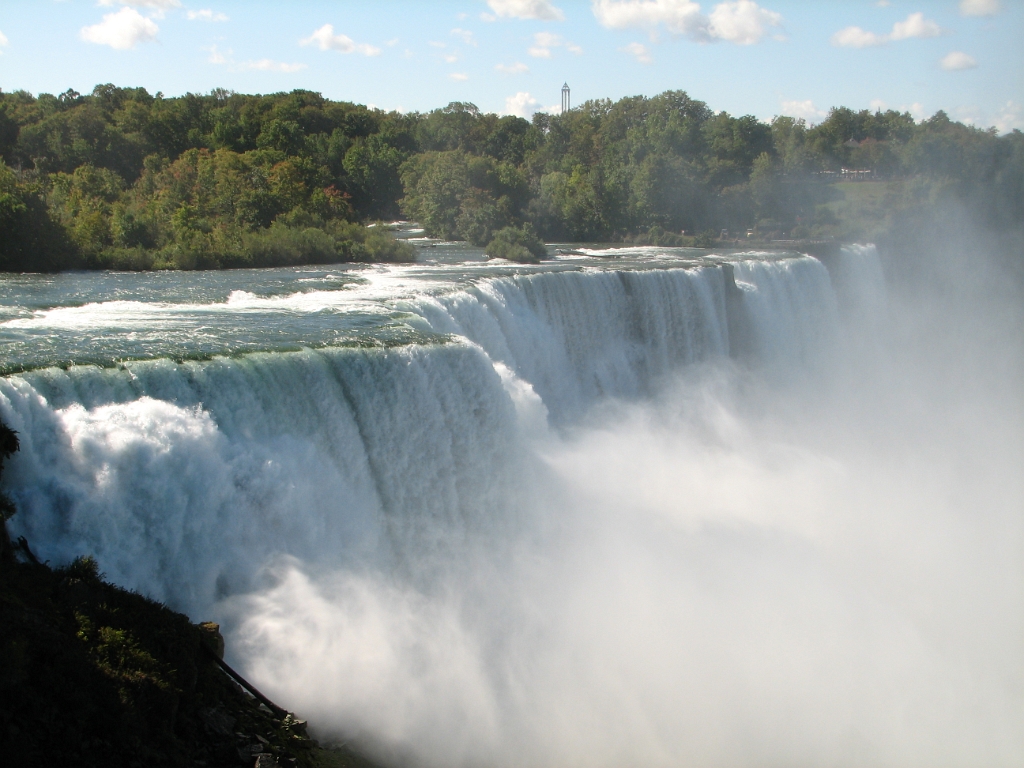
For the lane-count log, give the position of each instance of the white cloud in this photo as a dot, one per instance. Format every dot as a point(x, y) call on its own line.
point(512, 69)
point(521, 105)
point(742, 22)
point(326, 40)
point(916, 110)
point(156, 7)
point(1011, 117)
point(460, 76)
point(855, 37)
point(802, 109)
point(268, 65)
point(640, 52)
point(163, 5)
point(915, 25)
point(206, 15)
point(957, 60)
point(543, 42)
point(526, 9)
point(979, 7)
point(465, 35)
point(259, 65)
point(524, 105)
point(680, 17)
point(451, 58)
point(3, 41)
point(218, 57)
point(122, 30)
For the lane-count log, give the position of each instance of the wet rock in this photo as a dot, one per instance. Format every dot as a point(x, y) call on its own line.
point(213, 638)
point(246, 752)
point(217, 720)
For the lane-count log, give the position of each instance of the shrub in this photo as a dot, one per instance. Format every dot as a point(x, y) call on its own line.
point(705, 239)
point(519, 244)
point(381, 246)
point(279, 245)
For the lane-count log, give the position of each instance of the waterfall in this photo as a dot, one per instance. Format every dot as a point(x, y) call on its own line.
point(708, 513)
point(182, 478)
point(578, 336)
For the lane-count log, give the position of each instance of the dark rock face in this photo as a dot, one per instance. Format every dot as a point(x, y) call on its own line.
point(93, 675)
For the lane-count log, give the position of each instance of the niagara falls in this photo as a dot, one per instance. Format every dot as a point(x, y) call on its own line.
point(590, 512)
point(512, 383)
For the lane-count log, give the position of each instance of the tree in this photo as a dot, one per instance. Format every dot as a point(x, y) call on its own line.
point(30, 240)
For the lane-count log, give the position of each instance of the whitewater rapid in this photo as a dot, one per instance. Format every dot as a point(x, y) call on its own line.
point(460, 512)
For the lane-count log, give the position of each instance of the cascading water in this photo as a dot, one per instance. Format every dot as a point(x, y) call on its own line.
point(557, 516)
point(329, 454)
point(579, 336)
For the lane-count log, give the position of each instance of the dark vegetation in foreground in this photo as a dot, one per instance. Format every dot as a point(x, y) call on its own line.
point(120, 178)
point(94, 675)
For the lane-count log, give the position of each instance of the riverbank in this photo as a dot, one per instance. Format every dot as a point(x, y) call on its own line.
point(95, 675)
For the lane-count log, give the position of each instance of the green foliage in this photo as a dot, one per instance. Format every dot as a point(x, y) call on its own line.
point(30, 239)
point(517, 244)
point(658, 236)
point(120, 178)
point(9, 130)
point(705, 239)
point(84, 568)
point(372, 167)
point(378, 245)
point(435, 185)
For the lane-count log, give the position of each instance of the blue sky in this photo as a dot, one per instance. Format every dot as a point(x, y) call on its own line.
point(512, 56)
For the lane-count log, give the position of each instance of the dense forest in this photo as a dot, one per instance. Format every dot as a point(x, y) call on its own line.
point(120, 178)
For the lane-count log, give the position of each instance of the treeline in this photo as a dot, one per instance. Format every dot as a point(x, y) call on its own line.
point(122, 178)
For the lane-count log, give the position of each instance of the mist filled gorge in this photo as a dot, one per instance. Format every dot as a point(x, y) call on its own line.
point(669, 507)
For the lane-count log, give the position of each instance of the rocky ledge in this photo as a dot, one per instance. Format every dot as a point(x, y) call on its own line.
point(94, 675)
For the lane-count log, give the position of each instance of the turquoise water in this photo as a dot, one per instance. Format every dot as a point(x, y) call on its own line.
point(106, 318)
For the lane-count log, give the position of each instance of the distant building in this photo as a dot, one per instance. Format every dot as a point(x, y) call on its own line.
point(565, 98)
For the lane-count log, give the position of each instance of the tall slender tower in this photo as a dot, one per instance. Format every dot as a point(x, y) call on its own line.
point(565, 98)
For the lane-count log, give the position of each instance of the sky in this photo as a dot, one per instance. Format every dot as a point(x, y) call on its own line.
point(776, 57)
